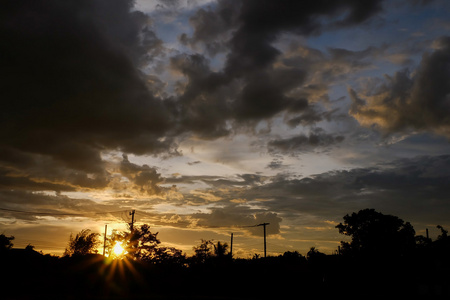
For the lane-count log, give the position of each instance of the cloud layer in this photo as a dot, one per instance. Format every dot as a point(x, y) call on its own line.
point(73, 85)
point(406, 101)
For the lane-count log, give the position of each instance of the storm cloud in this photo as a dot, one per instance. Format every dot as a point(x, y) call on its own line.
point(71, 86)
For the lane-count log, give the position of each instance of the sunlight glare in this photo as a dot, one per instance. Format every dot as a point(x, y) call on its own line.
point(118, 249)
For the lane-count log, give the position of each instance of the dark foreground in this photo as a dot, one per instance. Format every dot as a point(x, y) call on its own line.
point(30, 275)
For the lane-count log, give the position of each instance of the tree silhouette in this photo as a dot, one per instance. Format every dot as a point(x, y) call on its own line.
point(207, 251)
point(141, 244)
point(203, 251)
point(220, 249)
point(422, 241)
point(443, 234)
point(374, 233)
point(83, 243)
point(5, 242)
point(314, 254)
point(441, 246)
point(168, 255)
point(293, 255)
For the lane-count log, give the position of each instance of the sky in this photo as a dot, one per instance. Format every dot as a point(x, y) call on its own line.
point(209, 117)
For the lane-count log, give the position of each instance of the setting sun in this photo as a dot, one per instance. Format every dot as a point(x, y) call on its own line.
point(118, 249)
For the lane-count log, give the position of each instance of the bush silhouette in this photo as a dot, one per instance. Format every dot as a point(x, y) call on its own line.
point(83, 243)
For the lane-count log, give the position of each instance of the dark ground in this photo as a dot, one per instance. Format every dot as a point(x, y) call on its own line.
point(29, 275)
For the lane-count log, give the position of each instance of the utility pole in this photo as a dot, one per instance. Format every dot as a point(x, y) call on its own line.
point(231, 246)
point(264, 225)
point(132, 219)
point(104, 240)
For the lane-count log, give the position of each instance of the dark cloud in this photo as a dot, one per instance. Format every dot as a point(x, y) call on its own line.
point(169, 3)
point(316, 140)
point(70, 83)
point(202, 106)
point(324, 68)
point(420, 2)
point(145, 178)
point(252, 53)
point(250, 88)
point(355, 59)
point(415, 189)
point(406, 101)
point(264, 95)
point(25, 205)
point(263, 21)
point(212, 27)
point(276, 164)
point(27, 171)
point(312, 115)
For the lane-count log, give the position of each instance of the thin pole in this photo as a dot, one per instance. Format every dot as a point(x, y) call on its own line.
point(231, 246)
point(132, 219)
point(104, 241)
point(265, 240)
point(264, 225)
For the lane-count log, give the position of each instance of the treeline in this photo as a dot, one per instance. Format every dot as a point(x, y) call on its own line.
point(384, 258)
